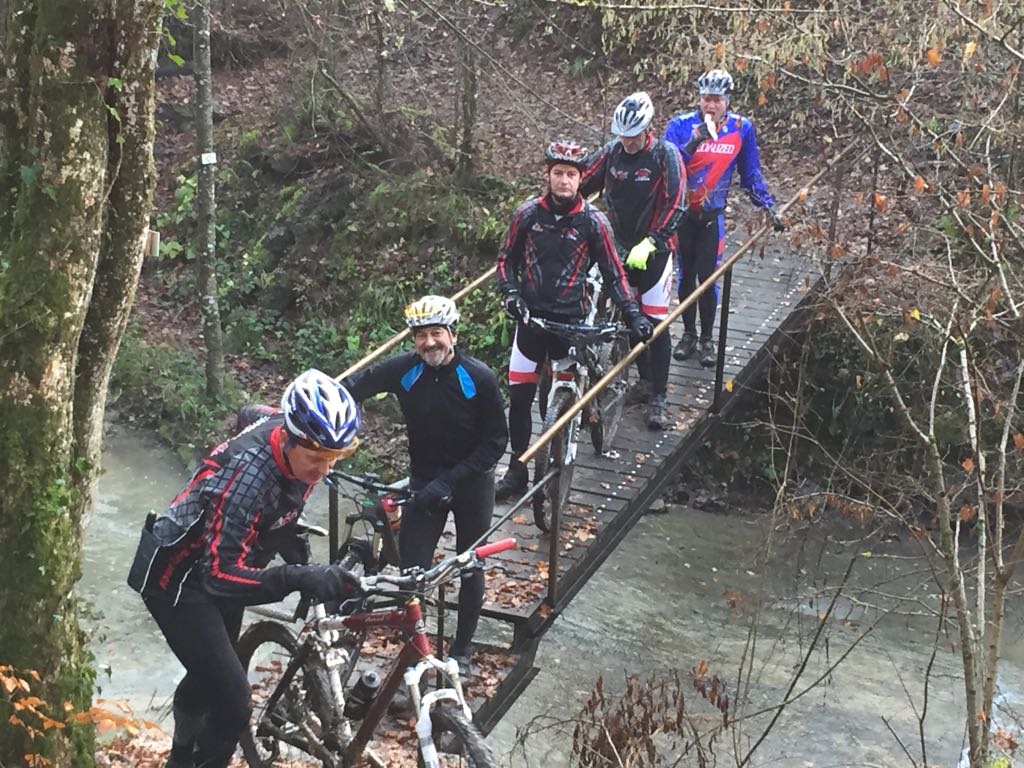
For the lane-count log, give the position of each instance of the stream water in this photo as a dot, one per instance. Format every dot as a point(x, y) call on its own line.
point(683, 587)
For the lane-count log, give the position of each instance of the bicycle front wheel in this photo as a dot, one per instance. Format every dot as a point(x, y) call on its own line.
point(301, 715)
point(458, 741)
point(555, 454)
point(607, 413)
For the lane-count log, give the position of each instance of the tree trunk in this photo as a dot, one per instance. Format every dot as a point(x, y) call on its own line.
point(206, 204)
point(467, 105)
point(381, 56)
point(76, 169)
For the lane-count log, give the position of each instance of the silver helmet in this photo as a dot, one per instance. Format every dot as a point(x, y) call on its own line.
point(432, 310)
point(717, 82)
point(633, 115)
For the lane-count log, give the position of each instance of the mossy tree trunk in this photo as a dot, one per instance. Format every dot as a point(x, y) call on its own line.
point(206, 206)
point(205, 203)
point(76, 174)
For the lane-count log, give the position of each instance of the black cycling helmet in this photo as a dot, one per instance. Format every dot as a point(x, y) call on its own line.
point(567, 152)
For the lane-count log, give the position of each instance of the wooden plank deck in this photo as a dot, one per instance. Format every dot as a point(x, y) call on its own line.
point(609, 493)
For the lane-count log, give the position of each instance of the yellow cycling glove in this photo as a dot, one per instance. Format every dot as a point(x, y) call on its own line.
point(640, 253)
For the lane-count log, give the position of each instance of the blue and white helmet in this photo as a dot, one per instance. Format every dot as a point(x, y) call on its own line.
point(717, 82)
point(320, 412)
point(633, 115)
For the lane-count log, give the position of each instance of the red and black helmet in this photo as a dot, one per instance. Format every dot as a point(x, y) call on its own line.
point(566, 151)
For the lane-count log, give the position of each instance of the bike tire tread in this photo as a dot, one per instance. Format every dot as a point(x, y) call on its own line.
point(447, 719)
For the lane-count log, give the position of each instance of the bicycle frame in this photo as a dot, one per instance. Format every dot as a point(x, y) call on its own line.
point(572, 372)
point(414, 660)
point(374, 508)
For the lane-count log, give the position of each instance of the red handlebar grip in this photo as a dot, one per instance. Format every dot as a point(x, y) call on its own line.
point(486, 550)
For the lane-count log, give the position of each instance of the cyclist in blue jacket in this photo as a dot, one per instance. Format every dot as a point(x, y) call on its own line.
point(714, 142)
point(456, 426)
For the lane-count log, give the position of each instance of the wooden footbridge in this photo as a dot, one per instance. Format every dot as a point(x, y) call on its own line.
point(527, 588)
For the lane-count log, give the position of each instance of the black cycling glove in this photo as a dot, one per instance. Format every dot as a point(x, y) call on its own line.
point(514, 305)
point(323, 583)
point(701, 133)
point(640, 327)
point(433, 496)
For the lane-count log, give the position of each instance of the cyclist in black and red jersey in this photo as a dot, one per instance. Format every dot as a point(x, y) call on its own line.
point(550, 246)
point(456, 426)
point(206, 557)
point(642, 180)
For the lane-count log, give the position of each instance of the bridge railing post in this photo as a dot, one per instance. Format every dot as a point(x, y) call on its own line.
point(556, 538)
point(333, 521)
point(723, 338)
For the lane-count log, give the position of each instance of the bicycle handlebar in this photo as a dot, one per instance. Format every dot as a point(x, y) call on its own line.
point(446, 570)
point(486, 550)
point(581, 332)
point(369, 483)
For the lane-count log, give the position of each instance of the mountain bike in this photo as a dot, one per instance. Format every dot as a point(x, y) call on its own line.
point(304, 698)
point(594, 350)
point(369, 536)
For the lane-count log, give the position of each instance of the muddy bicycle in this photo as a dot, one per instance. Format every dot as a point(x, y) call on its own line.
point(304, 695)
point(595, 348)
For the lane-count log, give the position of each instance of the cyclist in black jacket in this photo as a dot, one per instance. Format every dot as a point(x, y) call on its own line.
point(550, 246)
point(205, 558)
point(456, 426)
point(642, 179)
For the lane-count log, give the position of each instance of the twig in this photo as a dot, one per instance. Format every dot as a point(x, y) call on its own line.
point(780, 708)
point(900, 742)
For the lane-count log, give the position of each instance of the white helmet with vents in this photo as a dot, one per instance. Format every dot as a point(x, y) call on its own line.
point(633, 115)
point(717, 82)
point(432, 310)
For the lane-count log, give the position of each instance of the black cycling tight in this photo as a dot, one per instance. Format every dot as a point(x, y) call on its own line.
point(520, 416)
point(201, 631)
point(701, 243)
point(473, 507)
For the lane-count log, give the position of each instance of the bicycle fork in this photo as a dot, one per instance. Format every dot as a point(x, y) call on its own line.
point(423, 705)
point(335, 659)
point(565, 378)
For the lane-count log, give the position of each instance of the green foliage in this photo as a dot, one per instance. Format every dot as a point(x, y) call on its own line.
point(421, 207)
point(485, 331)
point(164, 388)
point(249, 139)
